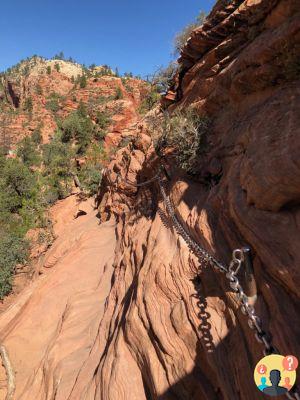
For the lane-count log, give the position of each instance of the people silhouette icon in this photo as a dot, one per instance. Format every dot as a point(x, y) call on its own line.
point(287, 383)
point(275, 389)
point(263, 384)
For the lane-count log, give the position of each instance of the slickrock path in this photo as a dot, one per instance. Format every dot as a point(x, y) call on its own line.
point(51, 328)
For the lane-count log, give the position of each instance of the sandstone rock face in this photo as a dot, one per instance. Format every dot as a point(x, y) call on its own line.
point(123, 310)
point(56, 311)
point(36, 84)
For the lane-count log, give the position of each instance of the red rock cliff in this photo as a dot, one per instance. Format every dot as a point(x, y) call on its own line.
point(120, 314)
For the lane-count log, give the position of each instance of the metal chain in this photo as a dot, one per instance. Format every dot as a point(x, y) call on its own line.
point(247, 309)
point(138, 184)
point(193, 245)
point(231, 272)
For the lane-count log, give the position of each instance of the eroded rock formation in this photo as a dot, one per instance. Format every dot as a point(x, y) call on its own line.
point(123, 310)
point(34, 84)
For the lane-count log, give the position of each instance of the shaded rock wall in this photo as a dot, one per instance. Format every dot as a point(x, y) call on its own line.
point(242, 70)
point(169, 328)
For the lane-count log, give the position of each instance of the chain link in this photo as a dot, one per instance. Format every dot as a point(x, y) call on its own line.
point(247, 309)
point(119, 177)
point(254, 322)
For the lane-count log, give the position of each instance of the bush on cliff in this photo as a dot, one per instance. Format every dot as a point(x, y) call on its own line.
point(103, 120)
point(182, 37)
point(28, 104)
point(82, 81)
point(151, 99)
point(13, 251)
point(21, 208)
point(163, 77)
point(52, 103)
point(118, 94)
point(185, 133)
point(27, 151)
point(58, 164)
point(90, 173)
point(79, 127)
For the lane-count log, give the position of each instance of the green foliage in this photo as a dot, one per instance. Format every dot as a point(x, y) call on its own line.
point(57, 156)
point(79, 127)
point(37, 135)
point(48, 70)
point(90, 176)
point(103, 119)
point(13, 251)
point(28, 104)
point(52, 103)
point(82, 81)
point(17, 184)
point(28, 153)
point(185, 132)
point(149, 101)
point(59, 56)
point(25, 71)
point(90, 173)
point(104, 99)
point(163, 77)
point(57, 67)
point(118, 94)
point(58, 163)
point(128, 75)
point(39, 90)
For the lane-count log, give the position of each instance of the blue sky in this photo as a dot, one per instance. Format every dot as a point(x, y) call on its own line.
point(134, 35)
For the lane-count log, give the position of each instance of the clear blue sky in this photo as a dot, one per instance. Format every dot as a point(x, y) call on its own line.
point(135, 35)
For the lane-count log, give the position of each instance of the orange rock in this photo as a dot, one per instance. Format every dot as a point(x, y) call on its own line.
point(123, 310)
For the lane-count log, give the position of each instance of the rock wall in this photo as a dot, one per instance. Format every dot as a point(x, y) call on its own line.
point(126, 311)
point(242, 70)
point(37, 86)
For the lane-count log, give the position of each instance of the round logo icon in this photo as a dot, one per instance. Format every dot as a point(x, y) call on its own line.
point(275, 375)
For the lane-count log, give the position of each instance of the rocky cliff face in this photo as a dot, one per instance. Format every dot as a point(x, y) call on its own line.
point(123, 310)
point(25, 95)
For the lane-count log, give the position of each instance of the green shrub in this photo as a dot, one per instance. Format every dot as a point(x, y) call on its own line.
point(151, 99)
point(13, 251)
point(82, 81)
point(59, 56)
point(28, 104)
point(90, 177)
point(39, 90)
point(118, 94)
point(79, 127)
point(185, 132)
point(52, 103)
point(103, 119)
point(90, 172)
point(37, 136)
point(28, 153)
point(58, 164)
point(48, 70)
point(57, 67)
point(163, 77)
point(17, 183)
point(57, 157)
